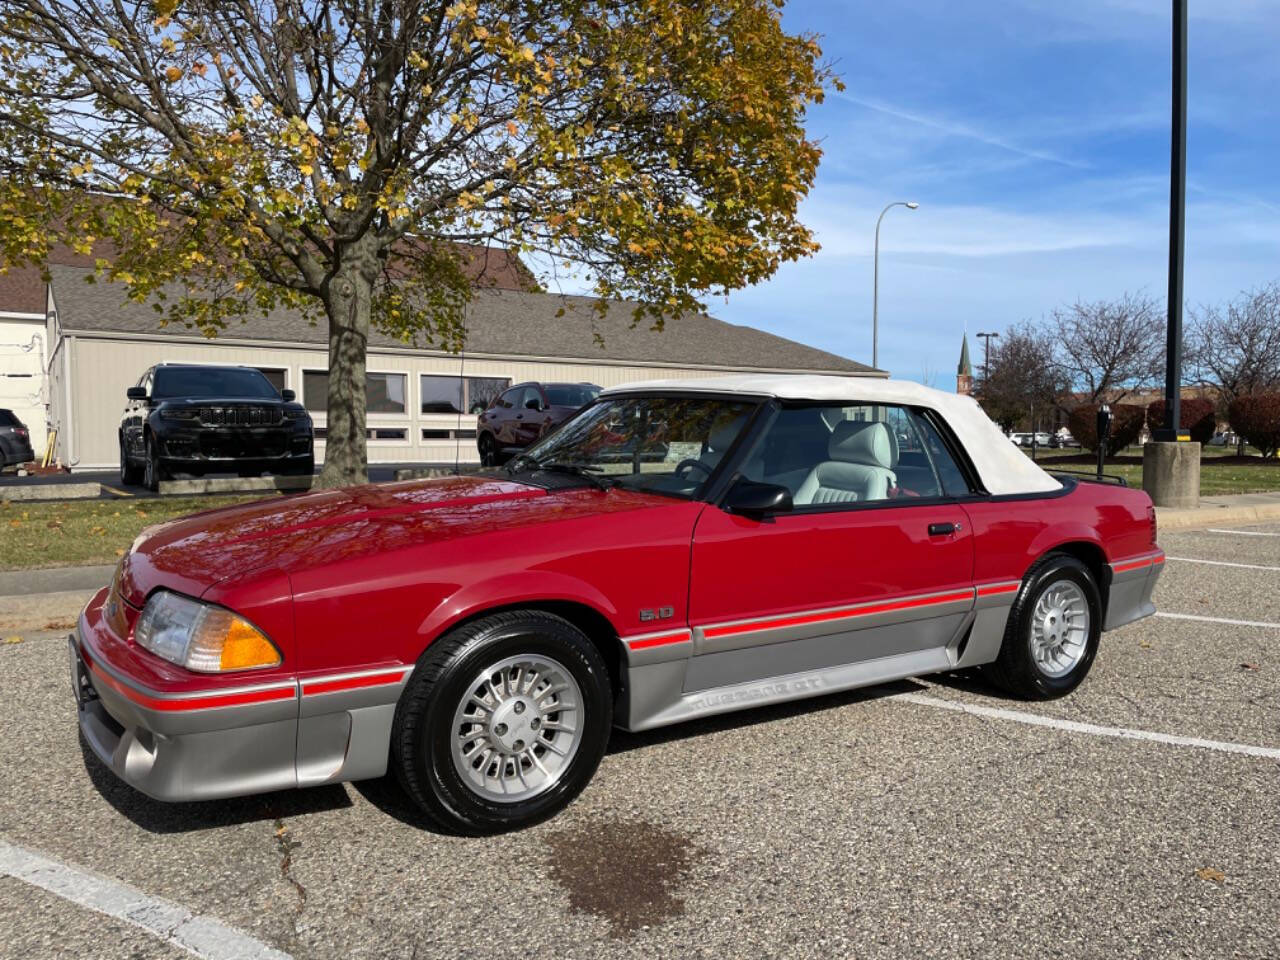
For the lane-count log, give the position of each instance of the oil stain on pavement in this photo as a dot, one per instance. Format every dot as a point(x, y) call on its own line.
point(626, 872)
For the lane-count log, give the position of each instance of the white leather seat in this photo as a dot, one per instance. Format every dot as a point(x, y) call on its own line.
point(860, 466)
point(720, 440)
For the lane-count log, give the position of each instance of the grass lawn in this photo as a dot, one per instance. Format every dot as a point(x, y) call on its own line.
point(75, 532)
point(1221, 472)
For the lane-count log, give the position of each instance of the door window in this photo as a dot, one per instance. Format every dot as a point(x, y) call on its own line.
point(846, 455)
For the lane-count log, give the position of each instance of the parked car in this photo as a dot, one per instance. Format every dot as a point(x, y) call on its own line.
point(199, 419)
point(525, 413)
point(15, 440)
point(480, 636)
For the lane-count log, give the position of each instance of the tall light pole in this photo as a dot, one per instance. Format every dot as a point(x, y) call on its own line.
point(986, 354)
point(1171, 429)
point(875, 289)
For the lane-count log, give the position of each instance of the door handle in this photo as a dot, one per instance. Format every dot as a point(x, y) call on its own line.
point(942, 529)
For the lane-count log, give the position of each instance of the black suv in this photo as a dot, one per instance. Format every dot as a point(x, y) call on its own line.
point(15, 440)
point(201, 419)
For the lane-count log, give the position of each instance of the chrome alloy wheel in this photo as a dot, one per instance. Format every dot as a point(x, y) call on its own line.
point(1060, 629)
point(517, 728)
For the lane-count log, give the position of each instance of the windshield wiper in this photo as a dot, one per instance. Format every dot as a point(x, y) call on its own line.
point(578, 470)
point(511, 467)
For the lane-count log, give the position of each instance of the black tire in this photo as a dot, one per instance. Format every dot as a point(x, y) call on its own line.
point(488, 450)
point(130, 474)
point(1015, 669)
point(152, 467)
point(422, 733)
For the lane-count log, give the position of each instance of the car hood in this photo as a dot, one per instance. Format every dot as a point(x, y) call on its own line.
point(194, 553)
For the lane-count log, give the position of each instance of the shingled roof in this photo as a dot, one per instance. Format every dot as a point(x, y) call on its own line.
point(499, 322)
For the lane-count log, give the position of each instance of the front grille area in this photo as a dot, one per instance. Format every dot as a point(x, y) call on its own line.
point(216, 447)
point(241, 415)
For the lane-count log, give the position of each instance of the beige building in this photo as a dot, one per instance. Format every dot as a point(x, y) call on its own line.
point(23, 351)
point(422, 402)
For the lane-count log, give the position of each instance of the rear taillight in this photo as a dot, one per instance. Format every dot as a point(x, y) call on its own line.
point(1151, 518)
point(20, 432)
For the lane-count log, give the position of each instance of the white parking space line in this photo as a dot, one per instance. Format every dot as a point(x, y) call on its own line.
point(1224, 563)
point(168, 921)
point(1234, 623)
point(1244, 533)
point(1091, 729)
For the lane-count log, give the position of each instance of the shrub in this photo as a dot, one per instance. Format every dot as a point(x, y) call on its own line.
point(1126, 424)
point(1196, 415)
point(1257, 419)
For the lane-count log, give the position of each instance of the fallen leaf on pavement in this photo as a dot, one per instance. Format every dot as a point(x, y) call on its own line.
point(12, 639)
point(1209, 873)
point(1250, 666)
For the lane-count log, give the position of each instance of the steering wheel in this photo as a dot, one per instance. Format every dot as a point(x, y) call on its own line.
point(684, 466)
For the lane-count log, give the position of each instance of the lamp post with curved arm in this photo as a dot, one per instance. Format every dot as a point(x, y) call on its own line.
point(875, 290)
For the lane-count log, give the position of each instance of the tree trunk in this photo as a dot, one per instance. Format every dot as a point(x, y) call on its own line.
point(348, 296)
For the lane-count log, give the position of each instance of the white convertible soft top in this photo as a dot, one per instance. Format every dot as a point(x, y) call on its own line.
point(1003, 468)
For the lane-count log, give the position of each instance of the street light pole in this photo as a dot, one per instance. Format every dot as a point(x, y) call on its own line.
point(986, 354)
point(1177, 230)
point(875, 288)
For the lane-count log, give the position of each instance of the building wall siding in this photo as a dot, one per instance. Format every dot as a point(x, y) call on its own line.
point(103, 368)
point(22, 384)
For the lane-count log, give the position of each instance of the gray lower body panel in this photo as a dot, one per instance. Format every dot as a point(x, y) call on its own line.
point(1130, 596)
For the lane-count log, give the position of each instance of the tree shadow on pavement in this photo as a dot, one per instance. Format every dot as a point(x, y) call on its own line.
point(156, 816)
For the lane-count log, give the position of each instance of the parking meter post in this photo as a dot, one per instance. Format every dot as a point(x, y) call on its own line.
point(1104, 435)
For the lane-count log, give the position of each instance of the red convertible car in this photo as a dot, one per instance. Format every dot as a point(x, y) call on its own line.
point(676, 549)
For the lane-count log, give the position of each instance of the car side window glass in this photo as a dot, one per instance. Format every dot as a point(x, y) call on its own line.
point(952, 478)
point(531, 399)
point(508, 399)
point(830, 456)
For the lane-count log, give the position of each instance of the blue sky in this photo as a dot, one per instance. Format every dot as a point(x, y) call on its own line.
point(1035, 136)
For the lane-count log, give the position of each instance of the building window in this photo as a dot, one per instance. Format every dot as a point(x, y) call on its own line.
point(373, 433)
point(276, 375)
point(433, 434)
point(384, 392)
point(460, 394)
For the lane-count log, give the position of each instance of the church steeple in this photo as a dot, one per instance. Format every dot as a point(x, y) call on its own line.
point(964, 372)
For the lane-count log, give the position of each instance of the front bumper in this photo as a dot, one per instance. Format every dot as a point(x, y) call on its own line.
point(228, 740)
point(212, 448)
point(186, 748)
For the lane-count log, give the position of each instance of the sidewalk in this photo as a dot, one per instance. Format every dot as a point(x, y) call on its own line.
point(1237, 509)
point(51, 599)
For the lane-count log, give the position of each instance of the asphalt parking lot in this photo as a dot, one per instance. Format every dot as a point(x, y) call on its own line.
point(1139, 817)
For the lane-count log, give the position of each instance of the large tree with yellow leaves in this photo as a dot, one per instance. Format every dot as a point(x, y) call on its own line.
point(329, 155)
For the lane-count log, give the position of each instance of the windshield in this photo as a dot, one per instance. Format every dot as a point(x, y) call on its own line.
point(570, 394)
point(172, 382)
point(665, 445)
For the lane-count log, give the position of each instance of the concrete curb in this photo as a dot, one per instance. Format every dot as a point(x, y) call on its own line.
point(40, 612)
point(234, 485)
point(51, 491)
point(1216, 515)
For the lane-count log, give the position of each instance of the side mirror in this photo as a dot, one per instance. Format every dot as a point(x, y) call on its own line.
point(288, 396)
point(751, 499)
point(136, 393)
point(533, 403)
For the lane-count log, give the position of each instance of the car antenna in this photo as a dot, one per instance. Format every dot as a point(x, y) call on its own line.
point(462, 397)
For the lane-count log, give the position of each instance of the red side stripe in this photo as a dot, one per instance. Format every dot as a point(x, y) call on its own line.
point(351, 683)
point(992, 589)
point(661, 641)
point(237, 699)
point(1135, 564)
point(821, 617)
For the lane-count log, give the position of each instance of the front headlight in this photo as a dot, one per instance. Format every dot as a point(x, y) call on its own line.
point(202, 637)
